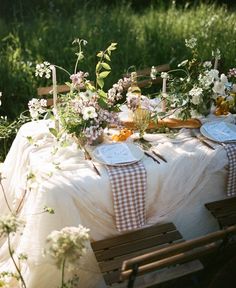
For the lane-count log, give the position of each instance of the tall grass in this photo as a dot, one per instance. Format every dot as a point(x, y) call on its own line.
point(151, 36)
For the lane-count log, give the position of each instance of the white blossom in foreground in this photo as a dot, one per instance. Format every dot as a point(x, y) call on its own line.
point(9, 224)
point(68, 244)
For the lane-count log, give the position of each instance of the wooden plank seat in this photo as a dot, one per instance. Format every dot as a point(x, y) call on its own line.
point(175, 254)
point(47, 91)
point(110, 253)
point(41, 91)
point(224, 211)
point(143, 76)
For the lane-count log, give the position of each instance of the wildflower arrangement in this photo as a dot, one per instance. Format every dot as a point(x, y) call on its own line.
point(194, 87)
point(87, 109)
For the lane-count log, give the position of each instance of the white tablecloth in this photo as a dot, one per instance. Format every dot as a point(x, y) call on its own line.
point(177, 191)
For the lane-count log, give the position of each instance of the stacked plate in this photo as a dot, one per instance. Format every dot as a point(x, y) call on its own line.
point(219, 131)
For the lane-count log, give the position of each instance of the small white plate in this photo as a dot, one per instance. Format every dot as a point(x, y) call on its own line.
point(219, 131)
point(135, 152)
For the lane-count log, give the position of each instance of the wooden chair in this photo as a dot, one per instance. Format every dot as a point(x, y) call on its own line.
point(224, 211)
point(144, 79)
point(175, 254)
point(47, 91)
point(111, 253)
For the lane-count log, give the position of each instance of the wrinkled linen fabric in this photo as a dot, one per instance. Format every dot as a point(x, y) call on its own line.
point(176, 191)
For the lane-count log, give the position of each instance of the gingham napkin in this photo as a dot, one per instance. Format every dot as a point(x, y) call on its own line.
point(128, 185)
point(231, 153)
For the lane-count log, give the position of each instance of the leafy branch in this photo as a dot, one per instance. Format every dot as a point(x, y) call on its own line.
point(103, 69)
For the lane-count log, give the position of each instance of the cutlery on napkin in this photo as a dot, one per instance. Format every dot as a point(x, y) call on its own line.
point(197, 135)
point(149, 151)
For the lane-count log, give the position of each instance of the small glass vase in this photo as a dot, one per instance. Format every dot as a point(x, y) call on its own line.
point(141, 118)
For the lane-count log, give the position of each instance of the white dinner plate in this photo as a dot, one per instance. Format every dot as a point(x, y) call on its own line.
point(219, 131)
point(134, 154)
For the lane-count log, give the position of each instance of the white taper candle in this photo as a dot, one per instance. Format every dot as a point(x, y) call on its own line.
point(54, 90)
point(54, 86)
point(164, 94)
point(216, 63)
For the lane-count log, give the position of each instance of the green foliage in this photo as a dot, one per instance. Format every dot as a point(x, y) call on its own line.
point(8, 130)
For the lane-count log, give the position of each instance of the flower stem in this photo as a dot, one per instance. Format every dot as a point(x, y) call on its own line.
point(63, 272)
point(78, 58)
point(5, 196)
point(14, 262)
point(61, 68)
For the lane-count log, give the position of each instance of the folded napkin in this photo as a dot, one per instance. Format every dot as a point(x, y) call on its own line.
point(231, 153)
point(128, 185)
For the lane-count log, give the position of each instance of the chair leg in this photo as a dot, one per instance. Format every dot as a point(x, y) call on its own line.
point(133, 276)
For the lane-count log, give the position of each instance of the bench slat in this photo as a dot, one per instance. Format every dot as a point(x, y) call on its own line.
point(134, 235)
point(137, 245)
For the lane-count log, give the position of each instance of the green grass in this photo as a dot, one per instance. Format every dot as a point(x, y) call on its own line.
point(151, 36)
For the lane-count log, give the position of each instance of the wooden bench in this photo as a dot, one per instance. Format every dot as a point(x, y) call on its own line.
point(175, 254)
point(45, 91)
point(143, 76)
point(111, 253)
point(224, 211)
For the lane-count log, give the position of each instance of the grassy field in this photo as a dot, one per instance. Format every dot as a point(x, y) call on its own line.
point(151, 36)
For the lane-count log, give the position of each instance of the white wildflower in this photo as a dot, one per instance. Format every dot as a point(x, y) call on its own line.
point(68, 244)
point(43, 69)
point(223, 78)
point(89, 113)
point(196, 94)
point(9, 224)
point(37, 107)
point(220, 85)
point(216, 54)
point(219, 88)
point(191, 43)
point(164, 75)
point(207, 64)
point(0, 98)
point(153, 73)
point(87, 95)
point(213, 73)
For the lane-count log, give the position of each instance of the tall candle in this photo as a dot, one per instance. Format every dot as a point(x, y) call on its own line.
point(216, 63)
point(54, 86)
point(164, 94)
point(54, 90)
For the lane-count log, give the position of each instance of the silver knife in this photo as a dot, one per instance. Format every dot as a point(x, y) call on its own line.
point(148, 154)
point(159, 155)
point(201, 139)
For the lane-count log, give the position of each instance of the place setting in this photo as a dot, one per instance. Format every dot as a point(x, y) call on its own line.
point(224, 133)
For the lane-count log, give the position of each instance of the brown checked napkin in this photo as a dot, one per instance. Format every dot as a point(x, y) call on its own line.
point(128, 183)
point(231, 153)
